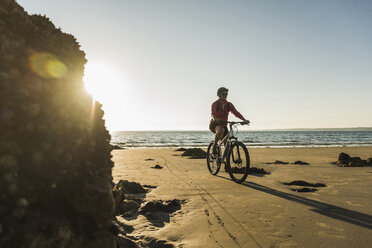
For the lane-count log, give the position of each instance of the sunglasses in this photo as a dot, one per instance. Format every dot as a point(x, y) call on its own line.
point(223, 94)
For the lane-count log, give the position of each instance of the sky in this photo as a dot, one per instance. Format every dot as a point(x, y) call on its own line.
point(156, 65)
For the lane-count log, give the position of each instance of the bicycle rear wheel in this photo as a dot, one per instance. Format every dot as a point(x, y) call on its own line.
point(213, 163)
point(238, 162)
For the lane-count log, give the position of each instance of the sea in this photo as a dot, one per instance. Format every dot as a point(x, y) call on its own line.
point(254, 139)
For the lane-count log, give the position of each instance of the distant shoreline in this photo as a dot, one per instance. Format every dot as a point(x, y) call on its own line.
point(252, 138)
point(261, 130)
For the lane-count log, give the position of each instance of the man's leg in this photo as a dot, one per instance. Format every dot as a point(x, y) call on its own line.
point(219, 135)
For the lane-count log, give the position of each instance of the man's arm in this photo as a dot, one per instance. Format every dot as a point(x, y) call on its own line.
point(237, 114)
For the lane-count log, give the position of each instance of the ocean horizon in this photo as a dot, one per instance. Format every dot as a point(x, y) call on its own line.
point(346, 137)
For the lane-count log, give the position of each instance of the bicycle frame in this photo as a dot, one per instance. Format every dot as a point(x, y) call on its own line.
point(231, 157)
point(228, 137)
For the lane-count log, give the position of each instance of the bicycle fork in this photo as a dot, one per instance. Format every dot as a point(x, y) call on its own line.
point(237, 160)
point(224, 155)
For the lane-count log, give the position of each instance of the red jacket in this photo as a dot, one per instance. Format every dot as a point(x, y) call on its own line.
point(220, 110)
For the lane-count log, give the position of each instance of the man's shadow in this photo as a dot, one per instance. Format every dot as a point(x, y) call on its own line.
point(332, 211)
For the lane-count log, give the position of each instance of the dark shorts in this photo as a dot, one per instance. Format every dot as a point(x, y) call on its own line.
point(213, 124)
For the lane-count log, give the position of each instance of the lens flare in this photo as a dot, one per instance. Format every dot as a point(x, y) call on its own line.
point(47, 65)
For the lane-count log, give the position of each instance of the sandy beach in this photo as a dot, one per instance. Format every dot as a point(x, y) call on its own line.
point(261, 212)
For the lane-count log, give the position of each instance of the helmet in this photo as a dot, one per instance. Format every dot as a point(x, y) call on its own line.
point(222, 89)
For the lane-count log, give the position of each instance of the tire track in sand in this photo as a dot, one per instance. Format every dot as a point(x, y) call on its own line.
point(204, 194)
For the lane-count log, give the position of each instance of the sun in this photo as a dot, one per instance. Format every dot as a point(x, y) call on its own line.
point(106, 85)
point(102, 81)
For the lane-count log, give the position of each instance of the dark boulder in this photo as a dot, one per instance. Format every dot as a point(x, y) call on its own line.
point(355, 164)
point(280, 162)
point(159, 244)
point(157, 167)
point(127, 187)
point(55, 155)
point(153, 206)
point(180, 150)
point(125, 242)
point(300, 162)
point(356, 159)
point(343, 158)
point(149, 186)
point(303, 183)
point(346, 161)
point(277, 162)
point(195, 153)
point(129, 205)
point(304, 190)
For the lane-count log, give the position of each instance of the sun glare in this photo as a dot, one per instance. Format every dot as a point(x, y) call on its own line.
point(104, 82)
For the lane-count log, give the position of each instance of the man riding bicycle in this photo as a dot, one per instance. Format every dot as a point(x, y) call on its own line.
point(220, 114)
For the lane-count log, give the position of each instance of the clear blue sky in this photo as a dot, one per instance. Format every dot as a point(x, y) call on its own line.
point(288, 64)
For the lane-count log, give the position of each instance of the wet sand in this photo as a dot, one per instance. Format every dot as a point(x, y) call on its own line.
point(261, 212)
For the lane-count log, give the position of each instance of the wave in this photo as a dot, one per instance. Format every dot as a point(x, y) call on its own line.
point(257, 139)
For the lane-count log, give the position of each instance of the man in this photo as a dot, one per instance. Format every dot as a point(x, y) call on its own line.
point(220, 114)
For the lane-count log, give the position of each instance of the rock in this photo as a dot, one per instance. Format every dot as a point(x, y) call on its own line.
point(300, 162)
point(118, 197)
point(18, 213)
point(157, 167)
point(304, 190)
point(174, 204)
point(129, 205)
point(101, 239)
point(123, 193)
point(149, 186)
point(125, 242)
point(343, 158)
point(280, 162)
point(181, 150)
point(159, 244)
point(115, 229)
point(119, 227)
point(195, 153)
point(277, 162)
point(303, 183)
point(153, 206)
point(346, 161)
point(22, 203)
point(355, 164)
point(55, 155)
point(127, 187)
point(149, 159)
point(356, 159)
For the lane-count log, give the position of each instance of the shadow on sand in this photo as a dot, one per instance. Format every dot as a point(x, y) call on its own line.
point(332, 211)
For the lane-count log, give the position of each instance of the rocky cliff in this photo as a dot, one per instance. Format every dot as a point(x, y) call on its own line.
point(55, 162)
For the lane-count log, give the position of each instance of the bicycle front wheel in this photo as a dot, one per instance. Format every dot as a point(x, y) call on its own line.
point(213, 162)
point(238, 162)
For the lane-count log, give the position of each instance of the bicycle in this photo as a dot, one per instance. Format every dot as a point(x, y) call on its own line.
point(235, 156)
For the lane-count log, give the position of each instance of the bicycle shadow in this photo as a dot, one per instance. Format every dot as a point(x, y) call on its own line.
point(329, 210)
point(254, 174)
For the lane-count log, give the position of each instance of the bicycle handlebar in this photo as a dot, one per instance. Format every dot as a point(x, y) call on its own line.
point(237, 122)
